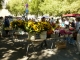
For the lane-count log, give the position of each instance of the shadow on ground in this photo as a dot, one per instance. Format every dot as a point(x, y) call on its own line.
point(10, 50)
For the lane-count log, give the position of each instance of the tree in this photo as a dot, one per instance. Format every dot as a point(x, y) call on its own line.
point(51, 7)
point(59, 7)
point(0, 4)
point(34, 6)
point(75, 7)
point(17, 7)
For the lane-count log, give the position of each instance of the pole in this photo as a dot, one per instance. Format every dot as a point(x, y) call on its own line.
point(37, 8)
point(26, 12)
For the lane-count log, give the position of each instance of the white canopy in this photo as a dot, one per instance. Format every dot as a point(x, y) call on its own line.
point(46, 16)
point(4, 12)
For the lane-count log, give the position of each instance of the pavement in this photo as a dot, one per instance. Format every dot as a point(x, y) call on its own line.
point(11, 49)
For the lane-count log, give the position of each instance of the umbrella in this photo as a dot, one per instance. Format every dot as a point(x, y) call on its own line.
point(70, 15)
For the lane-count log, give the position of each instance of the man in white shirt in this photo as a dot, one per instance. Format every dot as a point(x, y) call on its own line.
point(67, 23)
point(51, 20)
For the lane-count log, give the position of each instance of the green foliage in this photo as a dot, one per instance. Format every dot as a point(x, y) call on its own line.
point(0, 4)
point(16, 6)
point(34, 6)
point(59, 7)
point(52, 7)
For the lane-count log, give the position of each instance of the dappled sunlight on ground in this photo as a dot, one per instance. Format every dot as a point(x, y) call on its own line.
point(16, 50)
point(7, 55)
point(44, 54)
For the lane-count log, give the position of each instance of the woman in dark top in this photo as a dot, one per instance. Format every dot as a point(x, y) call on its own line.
point(6, 25)
point(73, 24)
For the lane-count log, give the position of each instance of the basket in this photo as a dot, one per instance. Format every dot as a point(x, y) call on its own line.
point(60, 45)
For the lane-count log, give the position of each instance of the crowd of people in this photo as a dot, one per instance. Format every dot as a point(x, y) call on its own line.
point(73, 27)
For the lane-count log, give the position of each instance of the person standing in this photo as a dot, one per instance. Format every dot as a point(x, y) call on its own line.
point(51, 20)
point(6, 25)
point(78, 34)
point(43, 19)
point(62, 24)
point(73, 24)
point(67, 23)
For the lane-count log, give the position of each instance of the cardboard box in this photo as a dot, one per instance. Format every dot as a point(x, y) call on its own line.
point(60, 45)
